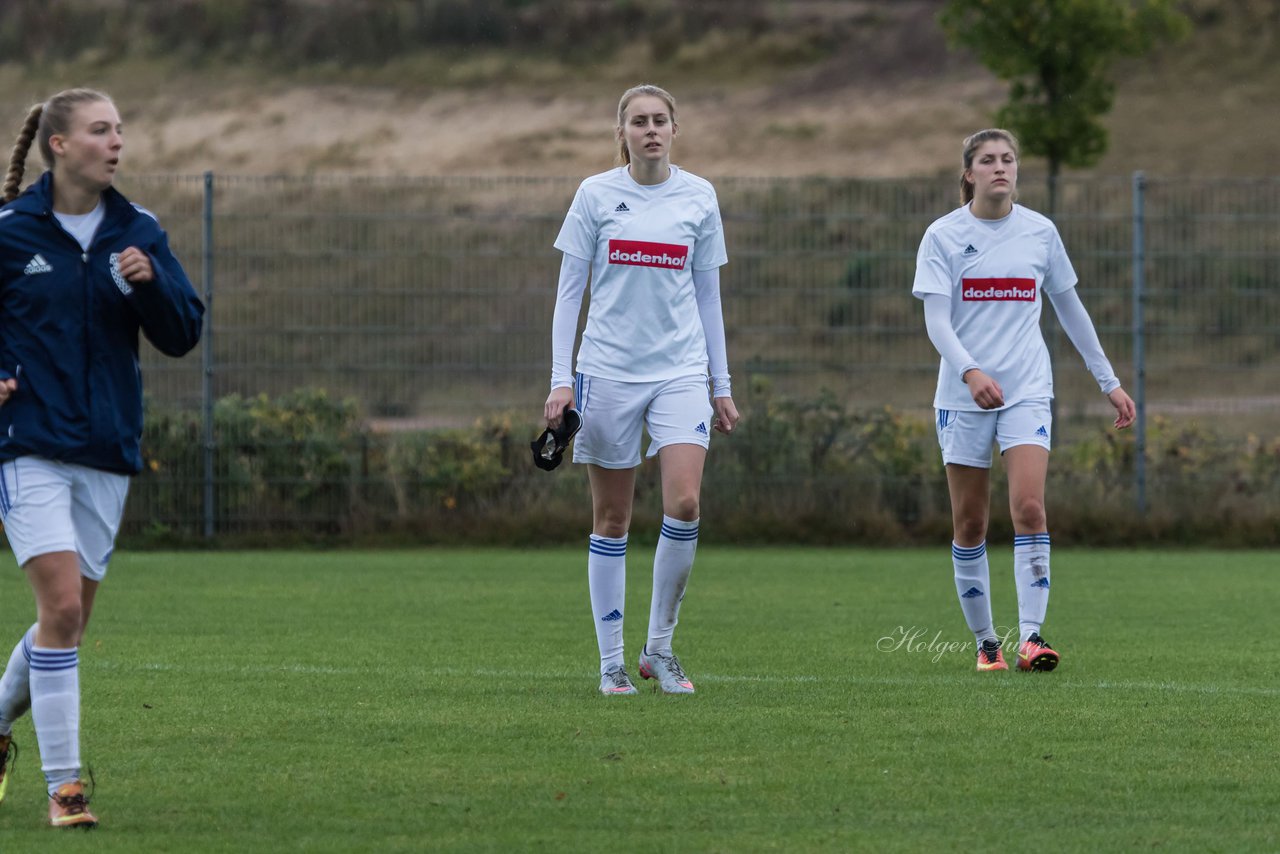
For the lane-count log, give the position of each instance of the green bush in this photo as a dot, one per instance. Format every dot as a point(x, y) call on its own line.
point(796, 470)
point(449, 470)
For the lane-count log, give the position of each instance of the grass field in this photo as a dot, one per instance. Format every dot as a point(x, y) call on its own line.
point(446, 700)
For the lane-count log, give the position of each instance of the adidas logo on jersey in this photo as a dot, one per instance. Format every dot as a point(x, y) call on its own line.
point(701, 429)
point(622, 208)
point(970, 250)
point(1042, 432)
point(37, 265)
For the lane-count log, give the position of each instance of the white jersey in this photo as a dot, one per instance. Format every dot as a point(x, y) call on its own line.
point(994, 271)
point(644, 242)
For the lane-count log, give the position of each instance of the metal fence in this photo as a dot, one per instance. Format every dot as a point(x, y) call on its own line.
point(428, 301)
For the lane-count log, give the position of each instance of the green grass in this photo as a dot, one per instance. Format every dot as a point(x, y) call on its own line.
point(445, 700)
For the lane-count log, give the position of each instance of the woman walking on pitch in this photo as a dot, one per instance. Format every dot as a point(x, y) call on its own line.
point(649, 236)
point(980, 271)
point(81, 272)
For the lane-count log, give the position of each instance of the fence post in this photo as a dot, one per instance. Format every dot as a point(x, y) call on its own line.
point(1050, 326)
point(1139, 354)
point(207, 357)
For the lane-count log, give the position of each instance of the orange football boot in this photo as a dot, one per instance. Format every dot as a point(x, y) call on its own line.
point(991, 657)
point(68, 807)
point(1034, 653)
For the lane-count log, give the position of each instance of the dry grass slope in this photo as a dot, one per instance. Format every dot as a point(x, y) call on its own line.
point(840, 88)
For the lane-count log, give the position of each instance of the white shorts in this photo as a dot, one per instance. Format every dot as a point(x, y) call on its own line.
point(965, 437)
point(50, 506)
point(676, 412)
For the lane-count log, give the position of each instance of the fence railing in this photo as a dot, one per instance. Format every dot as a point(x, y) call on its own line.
point(427, 302)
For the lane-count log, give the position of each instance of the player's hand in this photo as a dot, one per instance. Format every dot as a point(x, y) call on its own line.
point(7, 387)
point(726, 417)
point(553, 409)
point(135, 266)
point(1125, 410)
point(986, 391)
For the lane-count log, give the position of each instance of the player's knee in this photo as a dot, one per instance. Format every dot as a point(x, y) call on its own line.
point(1029, 515)
point(684, 507)
point(612, 522)
point(970, 530)
point(61, 622)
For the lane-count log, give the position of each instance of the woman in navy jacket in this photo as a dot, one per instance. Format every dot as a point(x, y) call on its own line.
point(82, 272)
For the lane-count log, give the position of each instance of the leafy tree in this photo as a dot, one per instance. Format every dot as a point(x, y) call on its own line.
point(1056, 54)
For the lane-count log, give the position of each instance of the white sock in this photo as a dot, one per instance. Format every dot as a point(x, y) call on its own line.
point(973, 586)
point(672, 564)
point(1031, 575)
point(607, 579)
point(55, 711)
point(15, 684)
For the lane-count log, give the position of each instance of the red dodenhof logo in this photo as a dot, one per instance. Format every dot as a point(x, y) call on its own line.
point(985, 290)
point(640, 253)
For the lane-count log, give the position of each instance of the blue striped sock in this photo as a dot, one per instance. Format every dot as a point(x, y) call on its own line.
point(15, 684)
point(672, 564)
point(55, 711)
point(973, 586)
point(607, 581)
point(1031, 575)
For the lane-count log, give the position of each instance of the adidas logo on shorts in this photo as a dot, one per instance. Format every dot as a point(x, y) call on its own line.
point(701, 429)
point(1043, 433)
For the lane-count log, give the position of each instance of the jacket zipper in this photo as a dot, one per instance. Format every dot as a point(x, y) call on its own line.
point(88, 308)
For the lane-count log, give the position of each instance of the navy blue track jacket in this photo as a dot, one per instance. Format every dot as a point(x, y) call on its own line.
point(69, 330)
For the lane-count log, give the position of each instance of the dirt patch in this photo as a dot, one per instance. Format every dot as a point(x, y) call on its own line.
point(911, 128)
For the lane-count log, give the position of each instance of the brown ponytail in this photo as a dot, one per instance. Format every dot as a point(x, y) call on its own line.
point(18, 160)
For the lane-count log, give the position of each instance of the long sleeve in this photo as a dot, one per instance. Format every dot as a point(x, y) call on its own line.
point(1079, 328)
point(937, 322)
point(574, 272)
point(706, 287)
point(170, 312)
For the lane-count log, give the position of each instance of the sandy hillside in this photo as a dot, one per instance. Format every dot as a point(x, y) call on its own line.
point(893, 101)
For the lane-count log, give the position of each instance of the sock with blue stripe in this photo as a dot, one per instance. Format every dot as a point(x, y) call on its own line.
point(15, 684)
point(1031, 575)
point(672, 564)
point(607, 580)
point(55, 711)
point(973, 586)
